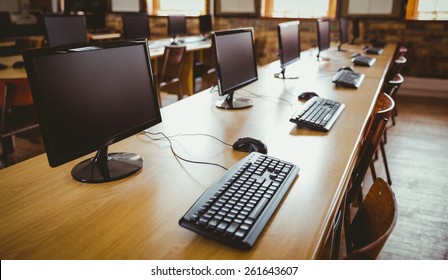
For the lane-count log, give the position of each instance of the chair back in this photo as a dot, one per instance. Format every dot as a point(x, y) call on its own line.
point(173, 58)
point(374, 221)
point(375, 130)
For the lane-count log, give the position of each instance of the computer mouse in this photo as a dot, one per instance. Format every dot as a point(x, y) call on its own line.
point(346, 68)
point(3, 66)
point(307, 95)
point(248, 144)
point(18, 64)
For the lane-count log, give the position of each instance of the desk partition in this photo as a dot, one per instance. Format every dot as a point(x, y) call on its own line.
point(48, 215)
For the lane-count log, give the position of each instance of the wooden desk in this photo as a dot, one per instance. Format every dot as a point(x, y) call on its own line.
point(48, 215)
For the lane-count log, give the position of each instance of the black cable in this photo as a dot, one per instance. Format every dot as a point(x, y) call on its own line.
point(267, 96)
point(179, 157)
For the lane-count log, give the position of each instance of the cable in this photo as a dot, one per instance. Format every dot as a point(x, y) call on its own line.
point(267, 96)
point(179, 157)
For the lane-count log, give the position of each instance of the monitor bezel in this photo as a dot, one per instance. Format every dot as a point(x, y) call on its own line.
point(217, 58)
point(54, 157)
point(343, 32)
point(81, 17)
point(281, 27)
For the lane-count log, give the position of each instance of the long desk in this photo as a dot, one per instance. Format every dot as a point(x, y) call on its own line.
point(48, 215)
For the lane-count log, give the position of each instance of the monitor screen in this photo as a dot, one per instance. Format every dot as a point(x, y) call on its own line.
point(236, 66)
point(65, 30)
point(177, 25)
point(289, 44)
point(90, 97)
point(323, 35)
point(135, 26)
point(343, 32)
point(205, 24)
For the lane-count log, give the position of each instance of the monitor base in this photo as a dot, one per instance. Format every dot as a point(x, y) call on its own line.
point(233, 103)
point(106, 167)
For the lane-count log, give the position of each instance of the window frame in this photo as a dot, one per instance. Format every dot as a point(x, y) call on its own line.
point(268, 6)
point(412, 12)
point(154, 7)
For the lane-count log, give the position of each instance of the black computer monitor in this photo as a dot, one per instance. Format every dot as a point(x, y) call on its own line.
point(323, 36)
point(355, 30)
point(343, 32)
point(236, 66)
point(88, 98)
point(177, 25)
point(289, 45)
point(135, 25)
point(205, 24)
point(65, 29)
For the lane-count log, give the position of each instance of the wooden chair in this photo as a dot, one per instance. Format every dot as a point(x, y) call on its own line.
point(17, 115)
point(373, 135)
point(172, 67)
point(394, 81)
point(373, 223)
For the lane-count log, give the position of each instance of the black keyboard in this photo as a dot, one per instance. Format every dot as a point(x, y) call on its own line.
point(236, 208)
point(347, 78)
point(318, 113)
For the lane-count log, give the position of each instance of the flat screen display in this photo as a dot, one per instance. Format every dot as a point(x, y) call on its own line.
point(289, 42)
point(65, 30)
point(88, 98)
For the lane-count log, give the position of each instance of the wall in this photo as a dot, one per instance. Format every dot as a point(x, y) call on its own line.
point(427, 41)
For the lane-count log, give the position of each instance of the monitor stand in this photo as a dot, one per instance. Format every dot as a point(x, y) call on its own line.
point(281, 75)
point(229, 102)
point(340, 48)
point(106, 167)
point(320, 58)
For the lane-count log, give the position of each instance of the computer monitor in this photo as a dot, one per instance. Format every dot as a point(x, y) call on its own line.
point(289, 45)
point(205, 24)
point(355, 30)
point(177, 25)
point(343, 33)
point(236, 66)
point(135, 25)
point(65, 29)
point(323, 36)
point(90, 97)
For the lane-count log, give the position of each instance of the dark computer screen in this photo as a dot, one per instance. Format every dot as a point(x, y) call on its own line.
point(65, 30)
point(236, 65)
point(343, 32)
point(205, 24)
point(89, 98)
point(289, 44)
point(135, 26)
point(177, 25)
point(323, 35)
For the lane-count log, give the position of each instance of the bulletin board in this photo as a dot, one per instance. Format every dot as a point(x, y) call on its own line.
point(372, 8)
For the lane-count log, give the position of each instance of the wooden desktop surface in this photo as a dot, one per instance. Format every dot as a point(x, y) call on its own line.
point(48, 215)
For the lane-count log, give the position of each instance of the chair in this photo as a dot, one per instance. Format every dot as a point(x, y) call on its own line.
point(372, 139)
point(394, 80)
point(172, 66)
point(373, 223)
point(17, 115)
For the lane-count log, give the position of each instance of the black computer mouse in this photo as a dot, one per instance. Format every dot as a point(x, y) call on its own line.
point(346, 68)
point(307, 95)
point(248, 144)
point(3, 66)
point(18, 64)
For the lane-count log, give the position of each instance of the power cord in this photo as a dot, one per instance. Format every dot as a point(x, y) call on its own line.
point(148, 134)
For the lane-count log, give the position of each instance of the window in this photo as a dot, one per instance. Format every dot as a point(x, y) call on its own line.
point(427, 9)
point(300, 8)
point(171, 7)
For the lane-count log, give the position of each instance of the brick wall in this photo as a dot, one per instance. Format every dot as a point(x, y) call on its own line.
point(427, 41)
